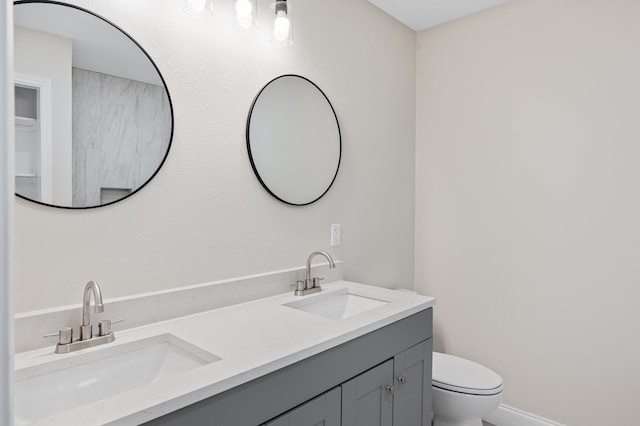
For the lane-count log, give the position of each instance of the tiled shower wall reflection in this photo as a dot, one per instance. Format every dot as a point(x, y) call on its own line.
point(121, 132)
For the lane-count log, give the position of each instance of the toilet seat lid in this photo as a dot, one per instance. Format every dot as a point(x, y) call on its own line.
point(464, 376)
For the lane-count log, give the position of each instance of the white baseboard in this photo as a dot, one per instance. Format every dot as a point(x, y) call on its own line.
point(509, 416)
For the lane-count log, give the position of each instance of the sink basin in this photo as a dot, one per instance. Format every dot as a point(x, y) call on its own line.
point(79, 379)
point(337, 304)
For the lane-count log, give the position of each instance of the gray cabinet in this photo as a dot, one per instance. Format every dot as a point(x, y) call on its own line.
point(367, 399)
point(321, 411)
point(412, 386)
point(395, 393)
point(361, 369)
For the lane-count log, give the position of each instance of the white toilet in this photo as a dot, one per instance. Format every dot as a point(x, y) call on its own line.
point(463, 391)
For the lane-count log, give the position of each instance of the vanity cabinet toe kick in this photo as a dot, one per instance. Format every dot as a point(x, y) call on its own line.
point(396, 358)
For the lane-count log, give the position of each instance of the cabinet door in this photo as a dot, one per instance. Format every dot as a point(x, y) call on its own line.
point(412, 398)
point(321, 411)
point(366, 401)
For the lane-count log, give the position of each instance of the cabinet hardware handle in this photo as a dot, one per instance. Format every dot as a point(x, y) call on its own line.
point(403, 379)
point(391, 390)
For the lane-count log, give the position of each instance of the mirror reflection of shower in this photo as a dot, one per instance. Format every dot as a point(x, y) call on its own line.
point(33, 137)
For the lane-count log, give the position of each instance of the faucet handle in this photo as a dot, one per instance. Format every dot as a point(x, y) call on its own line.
point(299, 285)
point(104, 326)
point(65, 335)
point(316, 281)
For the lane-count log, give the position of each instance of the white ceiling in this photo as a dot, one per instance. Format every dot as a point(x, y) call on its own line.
point(96, 45)
point(421, 14)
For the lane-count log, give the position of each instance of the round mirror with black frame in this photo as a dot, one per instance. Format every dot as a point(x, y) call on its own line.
point(94, 119)
point(293, 140)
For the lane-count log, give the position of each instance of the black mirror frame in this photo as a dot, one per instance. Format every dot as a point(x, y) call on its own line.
point(253, 166)
point(164, 83)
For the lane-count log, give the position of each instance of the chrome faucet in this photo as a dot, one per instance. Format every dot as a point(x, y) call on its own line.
point(67, 340)
point(86, 332)
point(312, 285)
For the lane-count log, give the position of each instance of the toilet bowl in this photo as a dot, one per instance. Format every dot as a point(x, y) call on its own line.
point(463, 391)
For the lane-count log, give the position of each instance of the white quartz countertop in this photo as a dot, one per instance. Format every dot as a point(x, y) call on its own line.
point(251, 339)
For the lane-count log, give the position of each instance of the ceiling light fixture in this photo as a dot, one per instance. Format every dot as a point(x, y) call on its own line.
point(246, 15)
point(282, 24)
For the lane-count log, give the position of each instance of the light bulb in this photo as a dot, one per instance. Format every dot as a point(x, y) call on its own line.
point(244, 14)
point(281, 26)
point(243, 8)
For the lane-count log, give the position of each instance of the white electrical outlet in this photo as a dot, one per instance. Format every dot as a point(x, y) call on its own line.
point(336, 235)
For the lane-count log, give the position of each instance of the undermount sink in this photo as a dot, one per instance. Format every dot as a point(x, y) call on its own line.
point(76, 380)
point(337, 304)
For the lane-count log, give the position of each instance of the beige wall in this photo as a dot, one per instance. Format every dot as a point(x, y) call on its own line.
point(205, 216)
point(45, 55)
point(527, 201)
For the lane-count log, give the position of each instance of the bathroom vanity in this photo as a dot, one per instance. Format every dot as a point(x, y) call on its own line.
point(382, 378)
point(351, 354)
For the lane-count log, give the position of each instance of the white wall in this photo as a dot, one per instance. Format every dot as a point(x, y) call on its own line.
point(527, 201)
point(205, 216)
point(45, 55)
point(6, 213)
